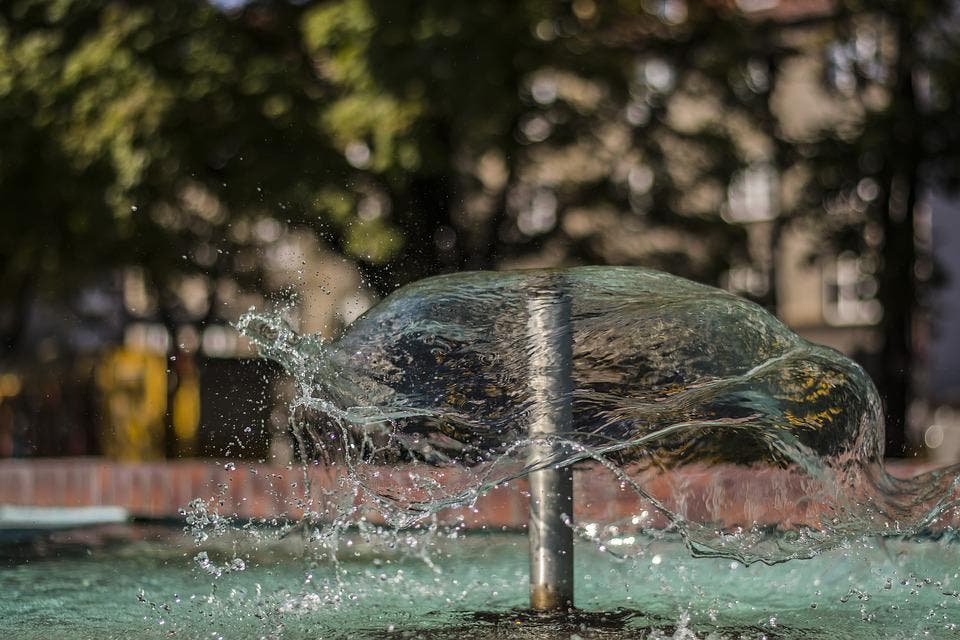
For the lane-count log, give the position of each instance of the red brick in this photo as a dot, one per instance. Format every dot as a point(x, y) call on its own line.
point(160, 489)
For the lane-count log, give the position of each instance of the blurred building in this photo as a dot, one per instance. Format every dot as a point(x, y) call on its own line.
point(226, 402)
point(939, 421)
point(107, 373)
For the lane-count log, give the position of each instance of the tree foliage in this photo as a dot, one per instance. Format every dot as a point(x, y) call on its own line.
point(140, 133)
point(455, 109)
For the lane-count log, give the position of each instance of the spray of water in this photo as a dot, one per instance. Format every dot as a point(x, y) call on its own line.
point(671, 379)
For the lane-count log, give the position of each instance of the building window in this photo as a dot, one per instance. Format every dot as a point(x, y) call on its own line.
point(850, 291)
point(746, 280)
point(752, 195)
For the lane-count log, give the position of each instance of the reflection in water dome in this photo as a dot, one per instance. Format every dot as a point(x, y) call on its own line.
point(749, 441)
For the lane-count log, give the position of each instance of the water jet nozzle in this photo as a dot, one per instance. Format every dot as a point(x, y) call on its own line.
point(550, 343)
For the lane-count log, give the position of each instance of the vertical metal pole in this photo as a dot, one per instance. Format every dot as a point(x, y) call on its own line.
point(550, 342)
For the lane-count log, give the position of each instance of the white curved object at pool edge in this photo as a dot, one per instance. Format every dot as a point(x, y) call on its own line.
point(18, 517)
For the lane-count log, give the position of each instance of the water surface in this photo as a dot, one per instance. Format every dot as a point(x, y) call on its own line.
point(146, 583)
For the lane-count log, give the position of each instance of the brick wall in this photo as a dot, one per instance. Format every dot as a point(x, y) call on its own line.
point(732, 496)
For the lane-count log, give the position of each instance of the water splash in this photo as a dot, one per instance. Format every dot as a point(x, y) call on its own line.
point(671, 379)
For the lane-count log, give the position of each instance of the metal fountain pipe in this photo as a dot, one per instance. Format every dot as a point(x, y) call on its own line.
point(550, 343)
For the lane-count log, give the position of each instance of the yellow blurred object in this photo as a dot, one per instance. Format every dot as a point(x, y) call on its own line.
point(186, 408)
point(9, 385)
point(134, 388)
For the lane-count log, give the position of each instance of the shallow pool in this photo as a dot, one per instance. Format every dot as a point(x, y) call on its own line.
point(148, 582)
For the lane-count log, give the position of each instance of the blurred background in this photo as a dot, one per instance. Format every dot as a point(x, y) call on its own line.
point(166, 165)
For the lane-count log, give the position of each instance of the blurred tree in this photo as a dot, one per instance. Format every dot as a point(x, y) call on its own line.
point(414, 136)
point(542, 132)
point(419, 137)
point(162, 136)
point(142, 133)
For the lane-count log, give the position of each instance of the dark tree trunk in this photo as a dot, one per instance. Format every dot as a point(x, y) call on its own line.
point(898, 289)
point(434, 241)
point(898, 296)
point(426, 210)
point(425, 215)
point(20, 316)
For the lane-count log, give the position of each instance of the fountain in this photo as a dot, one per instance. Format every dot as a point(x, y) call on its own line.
point(707, 446)
point(528, 374)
